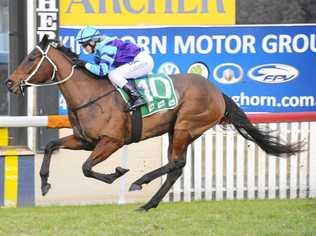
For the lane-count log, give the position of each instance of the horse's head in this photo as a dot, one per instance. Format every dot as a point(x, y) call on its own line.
point(36, 68)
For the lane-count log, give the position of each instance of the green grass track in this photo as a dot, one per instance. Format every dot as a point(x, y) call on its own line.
point(259, 217)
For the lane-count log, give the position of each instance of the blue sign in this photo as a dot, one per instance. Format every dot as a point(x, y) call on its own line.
point(263, 68)
point(62, 105)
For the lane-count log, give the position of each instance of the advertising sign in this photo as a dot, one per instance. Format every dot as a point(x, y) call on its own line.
point(147, 12)
point(263, 68)
point(47, 19)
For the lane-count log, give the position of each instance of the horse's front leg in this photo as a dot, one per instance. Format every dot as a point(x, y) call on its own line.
point(105, 147)
point(68, 142)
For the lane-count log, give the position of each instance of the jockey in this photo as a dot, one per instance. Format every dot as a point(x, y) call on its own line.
point(120, 60)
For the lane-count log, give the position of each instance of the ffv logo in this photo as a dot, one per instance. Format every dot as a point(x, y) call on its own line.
point(273, 73)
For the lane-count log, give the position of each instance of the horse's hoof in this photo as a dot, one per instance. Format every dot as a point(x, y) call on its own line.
point(135, 187)
point(141, 209)
point(45, 189)
point(121, 170)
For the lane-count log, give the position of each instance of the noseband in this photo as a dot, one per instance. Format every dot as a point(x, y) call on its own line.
point(26, 82)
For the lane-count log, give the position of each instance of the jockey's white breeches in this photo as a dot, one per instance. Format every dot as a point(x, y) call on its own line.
point(142, 64)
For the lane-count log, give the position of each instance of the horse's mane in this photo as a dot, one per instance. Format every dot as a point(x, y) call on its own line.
point(67, 51)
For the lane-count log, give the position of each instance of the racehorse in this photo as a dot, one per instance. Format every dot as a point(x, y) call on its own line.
point(100, 123)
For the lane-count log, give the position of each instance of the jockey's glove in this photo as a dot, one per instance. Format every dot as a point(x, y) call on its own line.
point(78, 63)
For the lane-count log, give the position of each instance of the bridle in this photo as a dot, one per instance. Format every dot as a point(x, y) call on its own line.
point(26, 82)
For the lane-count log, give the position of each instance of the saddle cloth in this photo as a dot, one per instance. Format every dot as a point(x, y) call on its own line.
point(157, 90)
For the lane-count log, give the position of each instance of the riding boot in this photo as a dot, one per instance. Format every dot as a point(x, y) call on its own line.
point(136, 98)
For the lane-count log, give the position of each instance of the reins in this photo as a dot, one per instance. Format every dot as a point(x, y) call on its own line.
point(92, 101)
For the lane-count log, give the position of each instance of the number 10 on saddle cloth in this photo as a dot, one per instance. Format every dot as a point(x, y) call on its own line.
point(157, 90)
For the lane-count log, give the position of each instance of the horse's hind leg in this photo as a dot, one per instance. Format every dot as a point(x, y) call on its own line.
point(181, 140)
point(68, 142)
point(156, 199)
point(103, 150)
point(147, 178)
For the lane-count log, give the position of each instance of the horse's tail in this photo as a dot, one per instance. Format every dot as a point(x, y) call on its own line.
point(270, 144)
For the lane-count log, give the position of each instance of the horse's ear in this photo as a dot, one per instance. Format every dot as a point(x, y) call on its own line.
point(44, 41)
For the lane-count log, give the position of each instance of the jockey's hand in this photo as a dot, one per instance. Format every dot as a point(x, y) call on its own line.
point(78, 63)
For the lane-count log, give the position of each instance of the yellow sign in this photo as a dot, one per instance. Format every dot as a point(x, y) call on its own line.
point(146, 12)
point(11, 178)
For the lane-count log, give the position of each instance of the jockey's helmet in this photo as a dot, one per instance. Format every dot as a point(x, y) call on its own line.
point(88, 33)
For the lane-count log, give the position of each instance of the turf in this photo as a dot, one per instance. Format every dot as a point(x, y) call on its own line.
point(260, 217)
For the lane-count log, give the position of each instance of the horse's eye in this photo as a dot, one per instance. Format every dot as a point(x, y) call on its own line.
point(31, 58)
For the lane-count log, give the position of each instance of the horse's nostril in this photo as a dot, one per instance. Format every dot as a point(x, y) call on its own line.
point(9, 83)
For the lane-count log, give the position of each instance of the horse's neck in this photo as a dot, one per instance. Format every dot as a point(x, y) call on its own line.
point(80, 88)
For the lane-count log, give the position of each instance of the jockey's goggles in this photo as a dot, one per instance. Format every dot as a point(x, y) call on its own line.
point(86, 43)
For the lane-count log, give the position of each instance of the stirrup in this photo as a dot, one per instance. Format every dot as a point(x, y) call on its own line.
point(135, 105)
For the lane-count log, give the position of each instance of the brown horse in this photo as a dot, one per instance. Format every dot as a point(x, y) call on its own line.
point(100, 123)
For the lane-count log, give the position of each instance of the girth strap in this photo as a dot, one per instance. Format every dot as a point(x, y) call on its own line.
point(137, 123)
point(137, 126)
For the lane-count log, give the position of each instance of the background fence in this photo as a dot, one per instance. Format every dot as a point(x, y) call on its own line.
point(221, 164)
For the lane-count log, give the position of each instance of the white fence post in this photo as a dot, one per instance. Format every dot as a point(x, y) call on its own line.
point(272, 168)
point(293, 162)
point(251, 170)
point(312, 160)
point(124, 164)
point(219, 163)
point(240, 166)
point(230, 134)
point(164, 161)
point(283, 164)
point(197, 169)
point(209, 164)
point(261, 157)
point(187, 176)
point(303, 157)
